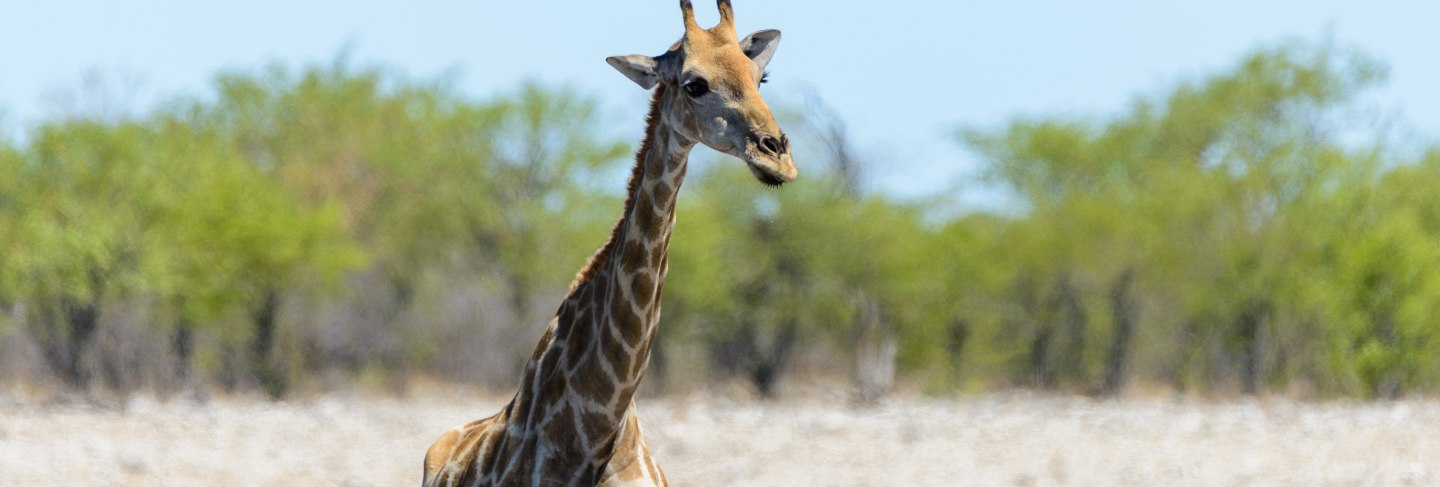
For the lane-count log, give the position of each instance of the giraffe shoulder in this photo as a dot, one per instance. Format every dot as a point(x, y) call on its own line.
point(456, 450)
point(438, 454)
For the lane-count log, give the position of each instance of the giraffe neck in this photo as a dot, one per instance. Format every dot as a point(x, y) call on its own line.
point(629, 285)
point(577, 388)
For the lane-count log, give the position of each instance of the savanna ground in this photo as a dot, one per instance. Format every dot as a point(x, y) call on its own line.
point(715, 438)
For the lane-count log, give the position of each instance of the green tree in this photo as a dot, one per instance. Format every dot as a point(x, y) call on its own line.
point(545, 145)
point(11, 171)
point(74, 233)
point(1372, 284)
point(426, 182)
point(1200, 198)
point(230, 238)
point(764, 272)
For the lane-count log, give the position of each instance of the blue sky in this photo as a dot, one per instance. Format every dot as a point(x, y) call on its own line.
point(903, 73)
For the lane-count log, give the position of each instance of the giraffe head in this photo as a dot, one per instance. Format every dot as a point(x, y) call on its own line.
point(711, 80)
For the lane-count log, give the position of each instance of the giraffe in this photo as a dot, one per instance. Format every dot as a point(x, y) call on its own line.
point(573, 420)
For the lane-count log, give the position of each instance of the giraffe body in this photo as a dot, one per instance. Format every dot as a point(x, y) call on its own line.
point(454, 458)
point(573, 420)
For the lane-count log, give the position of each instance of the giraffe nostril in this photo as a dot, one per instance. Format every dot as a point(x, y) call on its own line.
point(771, 146)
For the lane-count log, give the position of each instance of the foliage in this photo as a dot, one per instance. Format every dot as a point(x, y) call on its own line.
point(1237, 202)
point(1254, 230)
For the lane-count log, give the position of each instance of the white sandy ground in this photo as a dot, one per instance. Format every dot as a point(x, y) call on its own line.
point(704, 440)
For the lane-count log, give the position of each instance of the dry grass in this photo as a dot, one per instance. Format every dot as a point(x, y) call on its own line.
point(704, 440)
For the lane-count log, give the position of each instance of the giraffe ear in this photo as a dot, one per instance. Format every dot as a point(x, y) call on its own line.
point(639, 68)
point(760, 46)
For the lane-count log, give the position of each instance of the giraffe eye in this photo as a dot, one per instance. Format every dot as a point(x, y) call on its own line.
point(697, 88)
point(765, 78)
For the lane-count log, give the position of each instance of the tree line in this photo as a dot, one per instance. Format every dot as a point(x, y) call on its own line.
point(1264, 229)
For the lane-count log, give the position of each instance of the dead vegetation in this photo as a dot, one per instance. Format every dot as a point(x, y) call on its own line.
point(706, 439)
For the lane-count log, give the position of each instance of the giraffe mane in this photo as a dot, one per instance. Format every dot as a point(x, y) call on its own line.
point(601, 257)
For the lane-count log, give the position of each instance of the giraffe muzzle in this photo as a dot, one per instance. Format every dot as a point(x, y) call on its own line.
point(770, 161)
